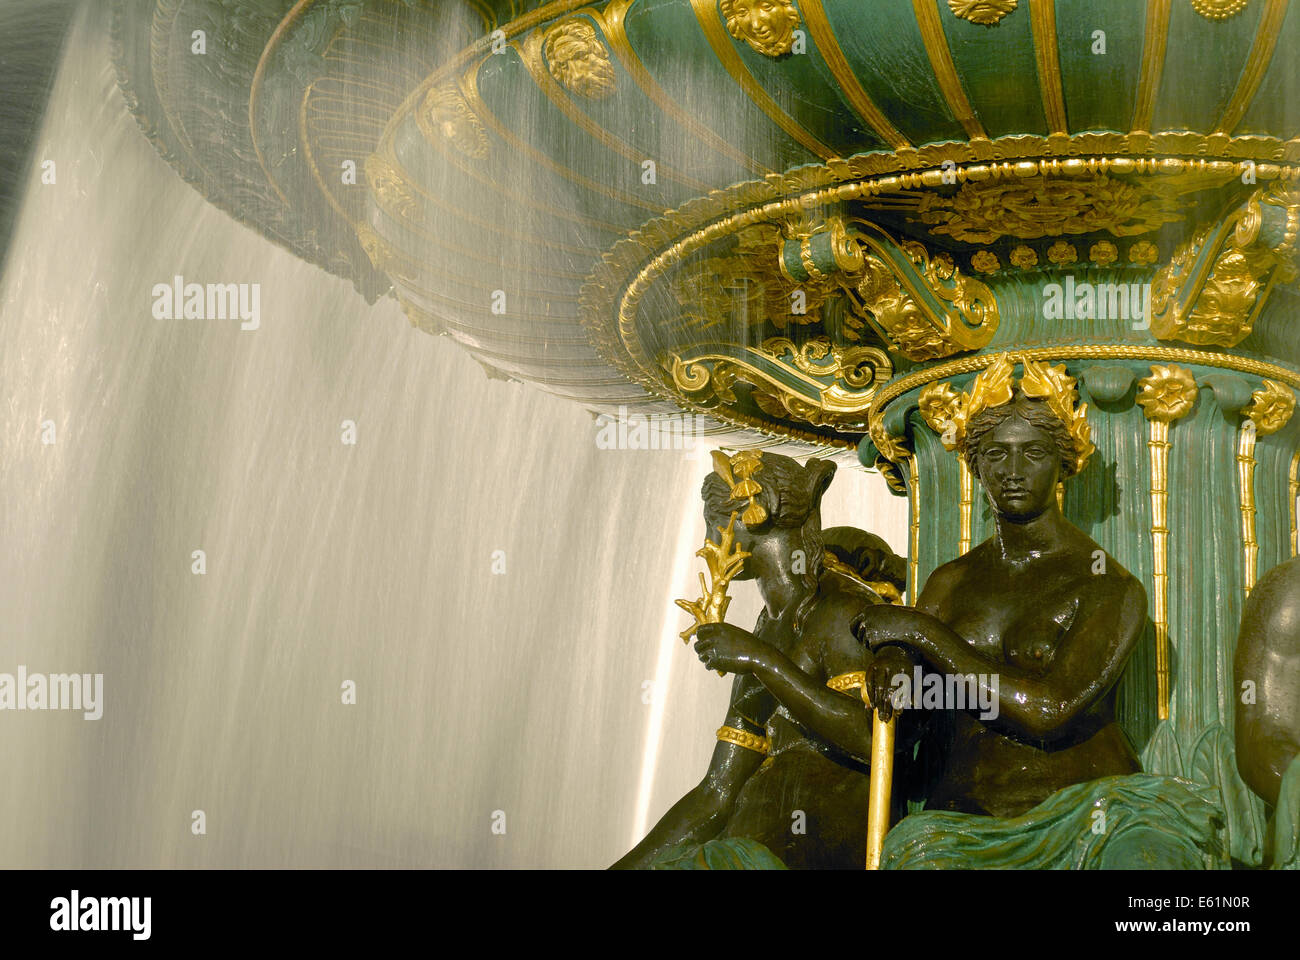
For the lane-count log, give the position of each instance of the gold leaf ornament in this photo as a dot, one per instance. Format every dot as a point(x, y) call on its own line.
point(724, 560)
point(1057, 387)
point(1270, 408)
point(1168, 394)
point(949, 414)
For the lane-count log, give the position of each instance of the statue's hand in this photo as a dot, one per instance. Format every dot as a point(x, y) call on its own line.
point(723, 647)
point(883, 684)
point(886, 624)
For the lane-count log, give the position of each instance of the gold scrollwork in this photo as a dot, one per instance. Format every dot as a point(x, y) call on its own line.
point(892, 302)
point(855, 372)
point(858, 367)
point(1043, 206)
point(1212, 297)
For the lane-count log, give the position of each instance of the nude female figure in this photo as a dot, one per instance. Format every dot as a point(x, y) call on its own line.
point(1041, 606)
point(803, 793)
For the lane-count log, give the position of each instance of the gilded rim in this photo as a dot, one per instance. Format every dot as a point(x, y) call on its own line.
point(611, 296)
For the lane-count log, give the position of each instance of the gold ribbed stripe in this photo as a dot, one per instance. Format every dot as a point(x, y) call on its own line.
point(1158, 445)
point(1043, 17)
point(914, 534)
point(706, 12)
point(945, 71)
point(469, 90)
point(1246, 490)
point(1156, 36)
point(1294, 484)
point(967, 500)
point(530, 52)
point(612, 22)
point(824, 38)
point(1257, 61)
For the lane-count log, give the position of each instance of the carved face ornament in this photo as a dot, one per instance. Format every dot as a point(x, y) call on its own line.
point(766, 25)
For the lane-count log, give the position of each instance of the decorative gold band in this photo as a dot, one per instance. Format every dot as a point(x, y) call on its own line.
point(743, 738)
point(848, 681)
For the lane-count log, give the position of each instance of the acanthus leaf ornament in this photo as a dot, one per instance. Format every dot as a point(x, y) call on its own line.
point(1270, 408)
point(1215, 285)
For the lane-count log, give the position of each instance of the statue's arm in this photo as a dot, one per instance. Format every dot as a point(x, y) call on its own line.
point(705, 809)
point(1088, 661)
point(839, 719)
point(1268, 657)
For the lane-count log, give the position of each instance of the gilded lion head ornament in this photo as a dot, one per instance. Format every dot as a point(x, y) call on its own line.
point(952, 415)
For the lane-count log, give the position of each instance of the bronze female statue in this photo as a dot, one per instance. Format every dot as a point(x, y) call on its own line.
point(1044, 620)
point(1267, 669)
point(788, 776)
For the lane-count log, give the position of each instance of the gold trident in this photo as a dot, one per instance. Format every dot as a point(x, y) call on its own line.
point(724, 560)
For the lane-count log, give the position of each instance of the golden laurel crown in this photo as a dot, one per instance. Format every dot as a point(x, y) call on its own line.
point(949, 413)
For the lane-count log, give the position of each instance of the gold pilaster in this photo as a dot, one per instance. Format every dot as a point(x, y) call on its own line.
point(1246, 489)
point(914, 532)
point(1168, 394)
point(1294, 487)
point(1270, 408)
point(967, 499)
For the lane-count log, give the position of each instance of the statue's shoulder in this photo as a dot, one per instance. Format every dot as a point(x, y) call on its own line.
point(1104, 577)
point(1273, 606)
point(841, 596)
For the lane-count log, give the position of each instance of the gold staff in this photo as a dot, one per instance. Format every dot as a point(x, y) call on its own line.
point(882, 782)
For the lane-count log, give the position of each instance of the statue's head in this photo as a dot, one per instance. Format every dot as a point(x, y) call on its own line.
point(1019, 439)
point(766, 25)
point(1020, 451)
point(767, 492)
